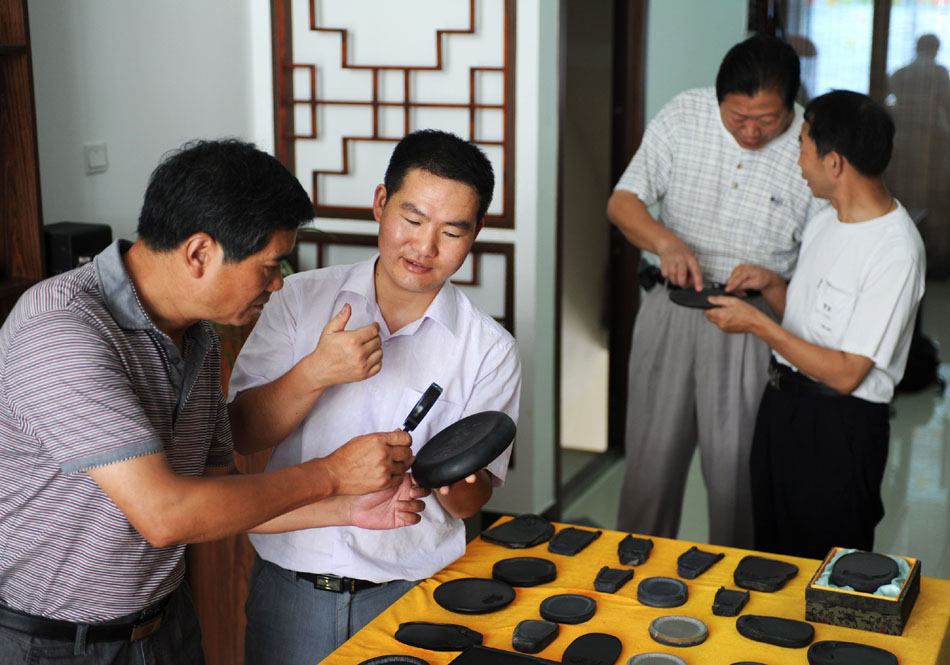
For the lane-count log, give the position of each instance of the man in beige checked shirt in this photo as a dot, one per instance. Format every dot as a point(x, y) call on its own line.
point(721, 165)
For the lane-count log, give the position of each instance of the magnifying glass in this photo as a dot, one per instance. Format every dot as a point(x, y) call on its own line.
point(422, 407)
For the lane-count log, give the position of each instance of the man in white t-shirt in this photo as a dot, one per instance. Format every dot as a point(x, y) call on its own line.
point(821, 436)
point(344, 348)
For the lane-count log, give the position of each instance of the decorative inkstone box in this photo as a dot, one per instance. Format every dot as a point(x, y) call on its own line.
point(863, 590)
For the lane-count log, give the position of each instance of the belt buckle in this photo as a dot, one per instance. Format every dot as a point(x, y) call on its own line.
point(329, 583)
point(148, 627)
point(775, 379)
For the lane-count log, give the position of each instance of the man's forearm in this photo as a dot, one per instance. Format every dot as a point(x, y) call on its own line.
point(775, 297)
point(169, 509)
point(188, 509)
point(332, 511)
point(466, 499)
point(629, 214)
point(838, 369)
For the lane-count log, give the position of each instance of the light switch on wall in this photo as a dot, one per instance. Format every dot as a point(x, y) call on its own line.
point(97, 161)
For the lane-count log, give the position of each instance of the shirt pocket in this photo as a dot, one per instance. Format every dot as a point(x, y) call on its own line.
point(830, 314)
point(442, 414)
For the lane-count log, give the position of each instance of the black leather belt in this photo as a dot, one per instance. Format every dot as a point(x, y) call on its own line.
point(336, 584)
point(137, 626)
point(784, 378)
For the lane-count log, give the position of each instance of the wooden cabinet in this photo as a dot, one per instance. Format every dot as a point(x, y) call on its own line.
point(21, 229)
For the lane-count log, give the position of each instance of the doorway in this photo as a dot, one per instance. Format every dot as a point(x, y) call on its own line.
point(601, 121)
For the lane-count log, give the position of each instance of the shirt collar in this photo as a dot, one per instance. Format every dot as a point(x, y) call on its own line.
point(443, 309)
point(120, 297)
point(117, 290)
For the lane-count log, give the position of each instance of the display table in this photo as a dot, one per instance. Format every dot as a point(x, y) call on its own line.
point(925, 641)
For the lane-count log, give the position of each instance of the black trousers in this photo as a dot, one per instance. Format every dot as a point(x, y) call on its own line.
point(817, 464)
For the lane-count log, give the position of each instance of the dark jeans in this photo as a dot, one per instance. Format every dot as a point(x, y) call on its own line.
point(817, 464)
point(177, 642)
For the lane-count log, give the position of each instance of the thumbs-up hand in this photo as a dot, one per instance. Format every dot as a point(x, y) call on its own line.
point(344, 356)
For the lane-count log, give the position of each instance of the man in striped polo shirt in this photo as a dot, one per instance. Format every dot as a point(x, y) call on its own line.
point(115, 444)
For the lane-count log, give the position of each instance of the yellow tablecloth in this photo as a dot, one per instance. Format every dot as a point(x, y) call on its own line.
point(925, 641)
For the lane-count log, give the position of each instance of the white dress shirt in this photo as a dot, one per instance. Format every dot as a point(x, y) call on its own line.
point(454, 344)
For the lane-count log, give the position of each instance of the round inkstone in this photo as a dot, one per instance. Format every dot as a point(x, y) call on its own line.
point(678, 631)
point(864, 571)
point(656, 659)
point(463, 448)
point(831, 652)
point(394, 659)
point(524, 571)
point(473, 595)
point(568, 608)
point(662, 592)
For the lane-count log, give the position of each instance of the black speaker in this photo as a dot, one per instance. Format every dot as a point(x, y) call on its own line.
point(71, 244)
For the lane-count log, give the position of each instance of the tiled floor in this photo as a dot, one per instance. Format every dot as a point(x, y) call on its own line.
point(916, 483)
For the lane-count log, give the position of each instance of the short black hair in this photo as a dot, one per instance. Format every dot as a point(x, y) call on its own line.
point(226, 188)
point(761, 62)
point(853, 125)
point(444, 155)
point(928, 45)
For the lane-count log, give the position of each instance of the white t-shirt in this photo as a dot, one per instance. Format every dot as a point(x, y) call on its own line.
point(454, 344)
point(856, 289)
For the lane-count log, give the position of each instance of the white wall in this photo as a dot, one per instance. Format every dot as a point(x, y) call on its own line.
point(143, 77)
point(686, 41)
point(530, 485)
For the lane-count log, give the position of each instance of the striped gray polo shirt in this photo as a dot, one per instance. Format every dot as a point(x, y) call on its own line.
point(87, 380)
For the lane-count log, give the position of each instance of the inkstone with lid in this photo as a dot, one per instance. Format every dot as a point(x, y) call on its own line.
point(568, 608)
point(473, 595)
point(864, 571)
point(524, 571)
point(662, 592)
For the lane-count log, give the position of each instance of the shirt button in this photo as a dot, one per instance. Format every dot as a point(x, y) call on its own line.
point(735, 185)
point(739, 166)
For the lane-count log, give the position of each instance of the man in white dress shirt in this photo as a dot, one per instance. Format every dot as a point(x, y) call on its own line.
point(821, 436)
point(350, 349)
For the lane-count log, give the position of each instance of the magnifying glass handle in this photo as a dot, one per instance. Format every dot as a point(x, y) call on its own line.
point(422, 407)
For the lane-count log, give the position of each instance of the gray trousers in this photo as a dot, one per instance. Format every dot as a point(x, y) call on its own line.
point(690, 383)
point(291, 623)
